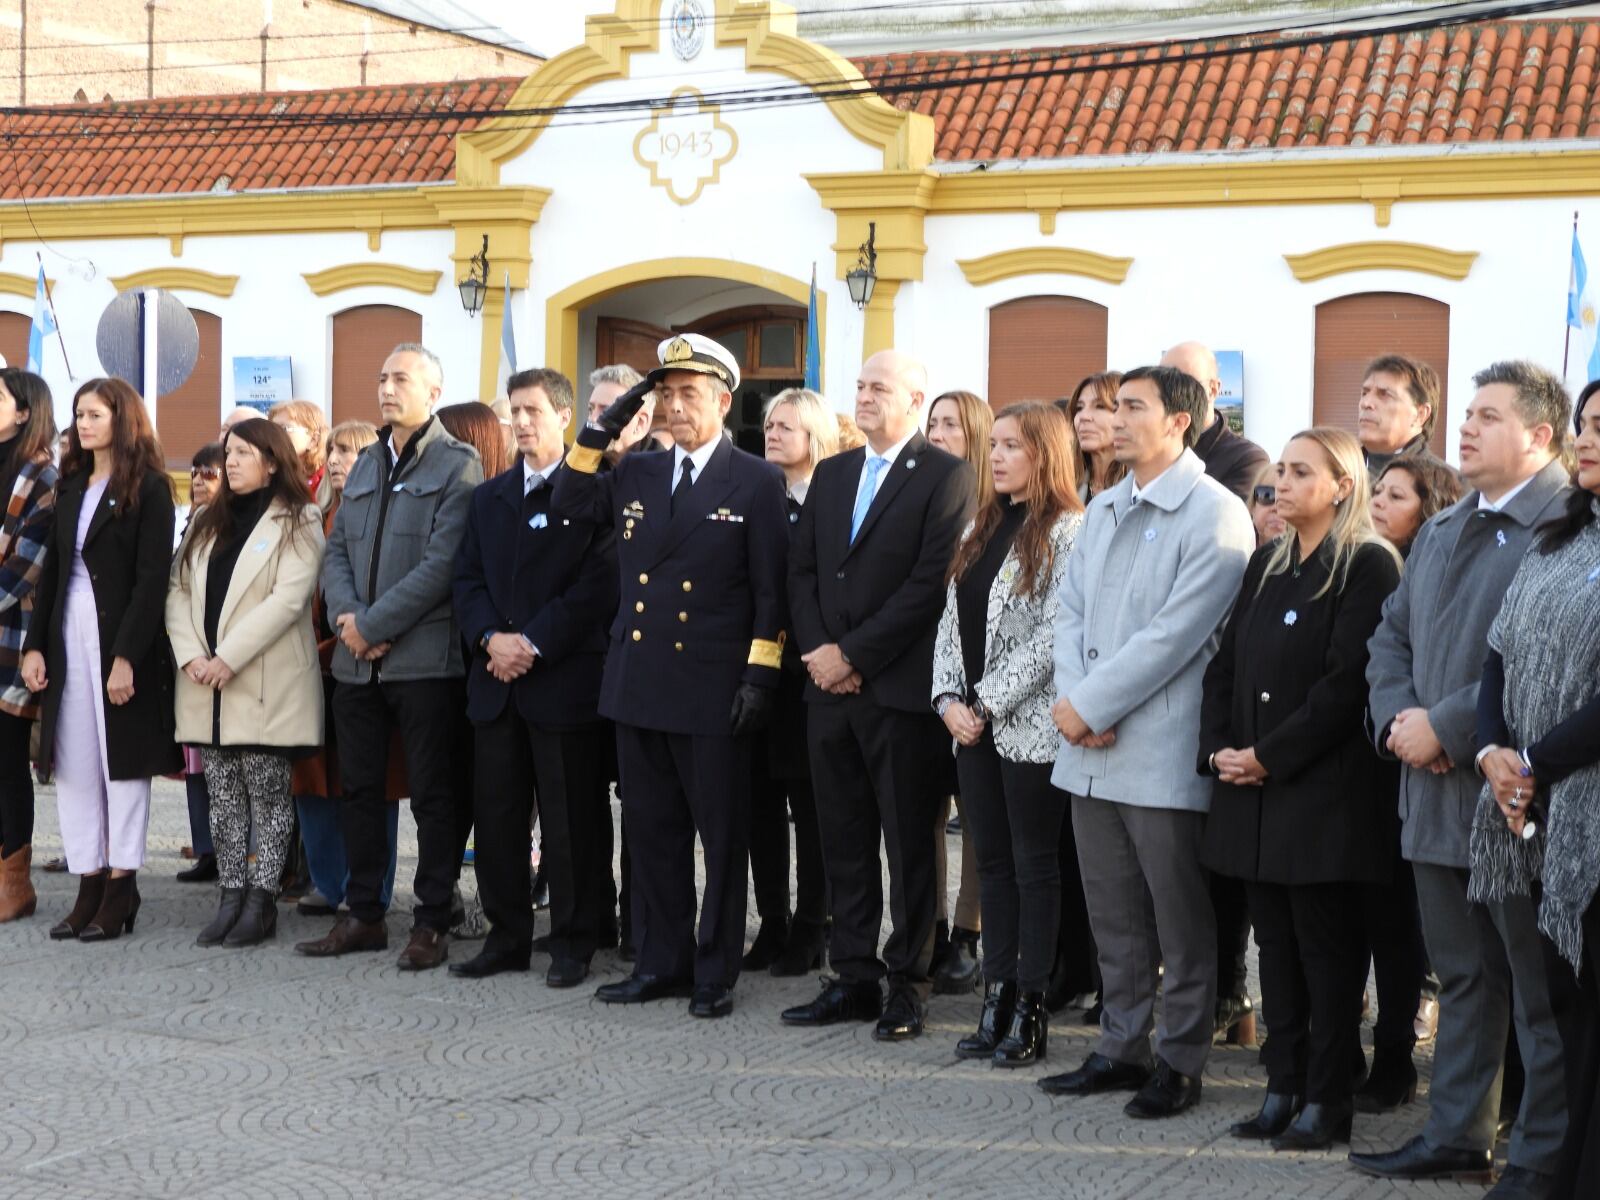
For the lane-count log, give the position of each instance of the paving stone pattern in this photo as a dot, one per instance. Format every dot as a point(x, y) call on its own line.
point(147, 1067)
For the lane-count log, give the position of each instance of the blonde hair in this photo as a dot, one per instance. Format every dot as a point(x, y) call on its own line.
point(357, 435)
point(313, 420)
point(1352, 517)
point(815, 417)
point(850, 435)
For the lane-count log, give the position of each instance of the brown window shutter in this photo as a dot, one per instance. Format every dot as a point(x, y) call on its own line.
point(1041, 346)
point(189, 417)
point(1354, 330)
point(362, 339)
point(14, 330)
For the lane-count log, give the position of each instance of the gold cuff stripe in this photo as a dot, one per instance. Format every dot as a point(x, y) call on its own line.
point(766, 654)
point(585, 459)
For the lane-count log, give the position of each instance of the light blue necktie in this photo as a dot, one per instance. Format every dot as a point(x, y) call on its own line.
point(869, 489)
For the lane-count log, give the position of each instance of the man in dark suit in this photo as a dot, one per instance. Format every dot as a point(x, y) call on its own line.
point(693, 663)
point(534, 595)
point(866, 587)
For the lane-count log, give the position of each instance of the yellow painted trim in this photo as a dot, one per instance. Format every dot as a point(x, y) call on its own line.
point(176, 279)
point(1044, 260)
point(354, 275)
point(878, 330)
point(657, 179)
point(1381, 256)
point(22, 285)
point(764, 653)
point(897, 201)
point(563, 308)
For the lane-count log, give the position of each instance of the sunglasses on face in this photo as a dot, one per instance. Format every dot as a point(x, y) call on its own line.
point(211, 474)
point(1265, 494)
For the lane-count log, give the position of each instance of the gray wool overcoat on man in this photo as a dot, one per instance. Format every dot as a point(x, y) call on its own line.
point(1429, 649)
point(1146, 593)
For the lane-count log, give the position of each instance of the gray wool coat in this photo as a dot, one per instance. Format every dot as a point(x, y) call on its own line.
point(1429, 649)
point(1147, 590)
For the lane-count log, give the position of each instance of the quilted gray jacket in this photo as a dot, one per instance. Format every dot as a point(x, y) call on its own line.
point(1018, 655)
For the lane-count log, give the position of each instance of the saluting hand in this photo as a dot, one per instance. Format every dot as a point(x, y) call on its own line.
point(621, 410)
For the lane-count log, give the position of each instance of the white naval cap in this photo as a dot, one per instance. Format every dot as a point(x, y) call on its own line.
point(694, 352)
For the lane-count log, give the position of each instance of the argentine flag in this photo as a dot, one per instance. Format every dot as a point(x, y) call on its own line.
point(1582, 309)
point(44, 324)
point(507, 366)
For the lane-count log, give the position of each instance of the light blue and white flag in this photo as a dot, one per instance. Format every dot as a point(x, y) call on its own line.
point(44, 324)
point(508, 345)
point(1583, 310)
point(813, 346)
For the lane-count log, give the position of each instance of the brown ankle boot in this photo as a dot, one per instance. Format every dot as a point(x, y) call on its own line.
point(91, 890)
point(17, 897)
point(117, 910)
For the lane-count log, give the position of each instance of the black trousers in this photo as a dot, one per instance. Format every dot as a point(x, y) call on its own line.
point(1313, 971)
point(16, 784)
point(1575, 998)
point(874, 772)
point(674, 786)
point(1014, 817)
point(772, 801)
point(1399, 958)
point(1229, 902)
point(425, 712)
point(566, 770)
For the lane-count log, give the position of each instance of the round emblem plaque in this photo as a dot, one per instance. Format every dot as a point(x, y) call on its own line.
point(688, 28)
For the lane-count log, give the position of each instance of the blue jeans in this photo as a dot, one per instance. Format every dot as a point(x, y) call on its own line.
point(323, 837)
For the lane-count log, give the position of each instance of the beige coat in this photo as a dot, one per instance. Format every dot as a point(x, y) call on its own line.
point(264, 635)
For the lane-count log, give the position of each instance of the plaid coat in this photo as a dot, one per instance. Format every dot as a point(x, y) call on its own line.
point(24, 534)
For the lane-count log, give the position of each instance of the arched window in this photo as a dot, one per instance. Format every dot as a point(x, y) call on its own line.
point(14, 330)
point(362, 339)
point(1353, 330)
point(189, 417)
point(1040, 346)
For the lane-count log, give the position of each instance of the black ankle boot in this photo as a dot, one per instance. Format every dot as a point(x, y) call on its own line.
point(802, 953)
point(91, 890)
point(1391, 1082)
point(118, 908)
point(958, 974)
point(203, 871)
point(1317, 1127)
point(1277, 1111)
point(1025, 1042)
point(229, 905)
point(258, 921)
point(769, 943)
point(998, 1001)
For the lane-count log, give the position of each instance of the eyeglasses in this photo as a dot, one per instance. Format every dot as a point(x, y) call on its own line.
point(1265, 494)
point(210, 474)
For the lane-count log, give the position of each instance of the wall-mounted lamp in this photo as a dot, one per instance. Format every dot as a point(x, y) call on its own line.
point(476, 285)
point(863, 277)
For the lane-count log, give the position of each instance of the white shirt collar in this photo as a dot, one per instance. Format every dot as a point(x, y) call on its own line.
point(1484, 505)
point(699, 457)
point(1138, 491)
point(892, 454)
point(797, 491)
point(529, 473)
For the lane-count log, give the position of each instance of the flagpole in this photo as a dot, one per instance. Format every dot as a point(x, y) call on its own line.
point(51, 301)
point(1566, 349)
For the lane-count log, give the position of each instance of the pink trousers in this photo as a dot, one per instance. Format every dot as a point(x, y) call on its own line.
point(103, 821)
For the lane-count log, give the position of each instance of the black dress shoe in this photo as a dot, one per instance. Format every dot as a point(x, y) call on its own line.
point(1317, 1127)
point(640, 989)
point(902, 1017)
point(1418, 1160)
point(1391, 1082)
point(489, 961)
point(1277, 1111)
point(1236, 1021)
point(961, 967)
point(999, 998)
point(840, 1000)
point(1519, 1183)
point(1098, 1074)
point(711, 1000)
point(566, 972)
point(764, 951)
point(1165, 1094)
point(203, 871)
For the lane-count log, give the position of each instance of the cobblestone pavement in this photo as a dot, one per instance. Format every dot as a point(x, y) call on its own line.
point(147, 1067)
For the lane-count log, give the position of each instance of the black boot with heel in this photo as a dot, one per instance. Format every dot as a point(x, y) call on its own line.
point(91, 891)
point(1027, 1039)
point(118, 909)
point(229, 906)
point(999, 998)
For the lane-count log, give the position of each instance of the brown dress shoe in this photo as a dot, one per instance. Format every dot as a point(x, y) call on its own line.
point(426, 950)
point(348, 934)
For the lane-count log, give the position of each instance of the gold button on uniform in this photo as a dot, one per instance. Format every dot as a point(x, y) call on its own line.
point(643, 578)
point(637, 635)
point(683, 617)
point(687, 586)
point(677, 645)
point(638, 606)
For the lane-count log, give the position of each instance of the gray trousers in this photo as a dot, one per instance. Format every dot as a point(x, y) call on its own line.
point(1491, 971)
point(1149, 904)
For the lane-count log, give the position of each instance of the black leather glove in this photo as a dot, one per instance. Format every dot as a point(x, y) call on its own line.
point(623, 409)
point(752, 709)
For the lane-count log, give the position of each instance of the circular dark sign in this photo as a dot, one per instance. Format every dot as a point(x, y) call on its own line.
point(120, 339)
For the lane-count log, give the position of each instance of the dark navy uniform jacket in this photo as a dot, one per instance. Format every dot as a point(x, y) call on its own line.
point(703, 591)
point(551, 579)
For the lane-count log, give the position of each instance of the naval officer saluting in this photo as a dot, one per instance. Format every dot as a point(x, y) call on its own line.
point(693, 665)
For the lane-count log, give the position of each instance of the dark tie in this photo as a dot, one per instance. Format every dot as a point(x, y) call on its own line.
point(681, 492)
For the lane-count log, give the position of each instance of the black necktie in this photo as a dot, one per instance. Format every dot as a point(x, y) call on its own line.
point(681, 492)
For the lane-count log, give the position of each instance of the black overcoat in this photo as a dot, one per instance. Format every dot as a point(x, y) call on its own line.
point(128, 555)
point(1289, 679)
